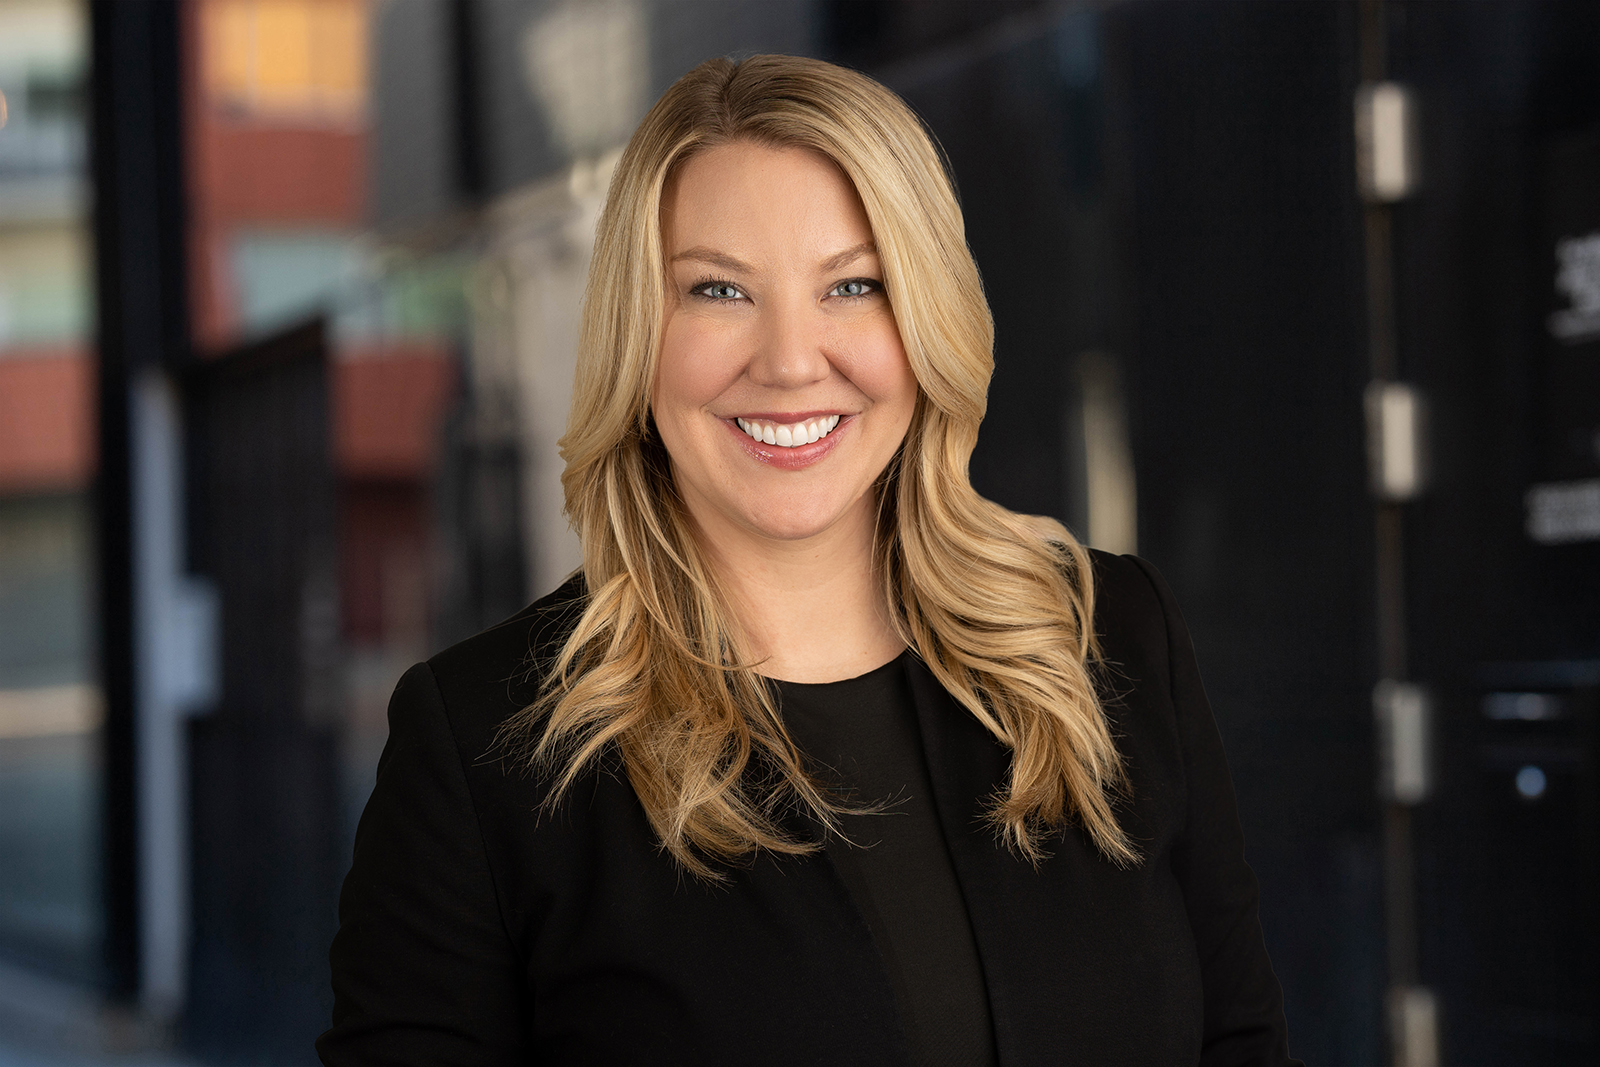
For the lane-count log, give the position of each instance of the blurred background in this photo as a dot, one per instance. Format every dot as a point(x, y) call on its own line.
point(1301, 302)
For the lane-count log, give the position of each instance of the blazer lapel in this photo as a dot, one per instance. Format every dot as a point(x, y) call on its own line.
point(967, 766)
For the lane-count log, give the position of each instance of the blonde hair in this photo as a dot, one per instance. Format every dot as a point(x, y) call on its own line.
point(998, 605)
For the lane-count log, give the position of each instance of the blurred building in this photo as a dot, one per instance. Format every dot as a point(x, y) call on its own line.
point(334, 268)
point(49, 694)
point(278, 116)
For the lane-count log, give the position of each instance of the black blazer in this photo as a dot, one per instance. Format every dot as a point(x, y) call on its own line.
point(473, 932)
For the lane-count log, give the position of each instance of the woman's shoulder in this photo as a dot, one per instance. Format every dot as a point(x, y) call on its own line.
point(1136, 617)
point(526, 636)
point(490, 676)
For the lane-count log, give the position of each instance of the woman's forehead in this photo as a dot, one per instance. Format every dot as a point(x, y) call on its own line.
point(746, 194)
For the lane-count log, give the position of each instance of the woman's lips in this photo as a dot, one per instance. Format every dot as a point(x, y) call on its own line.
point(787, 433)
point(793, 457)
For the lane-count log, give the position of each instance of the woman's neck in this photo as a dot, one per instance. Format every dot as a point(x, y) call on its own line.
point(811, 610)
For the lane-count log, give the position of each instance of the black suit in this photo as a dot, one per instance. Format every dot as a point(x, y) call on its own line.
point(473, 933)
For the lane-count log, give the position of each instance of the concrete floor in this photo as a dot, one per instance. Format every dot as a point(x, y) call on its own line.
point(46, 1022)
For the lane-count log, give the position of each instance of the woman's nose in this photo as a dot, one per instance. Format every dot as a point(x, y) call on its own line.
point(790, 347)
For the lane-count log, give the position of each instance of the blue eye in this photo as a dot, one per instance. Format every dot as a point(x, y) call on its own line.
point(718, 291)
point(855, 287)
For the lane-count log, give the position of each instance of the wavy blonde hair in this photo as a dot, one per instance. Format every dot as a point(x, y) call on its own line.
point(998, 605)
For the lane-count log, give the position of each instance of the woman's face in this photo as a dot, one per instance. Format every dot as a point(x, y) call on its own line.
point(782, 390)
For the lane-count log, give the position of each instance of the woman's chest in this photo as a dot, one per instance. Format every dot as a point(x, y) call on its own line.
point(630, 961)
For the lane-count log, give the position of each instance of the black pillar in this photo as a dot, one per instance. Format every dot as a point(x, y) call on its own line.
point(137, 172)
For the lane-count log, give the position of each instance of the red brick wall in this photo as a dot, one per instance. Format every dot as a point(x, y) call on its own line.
point(388, 404)
point(46, 420)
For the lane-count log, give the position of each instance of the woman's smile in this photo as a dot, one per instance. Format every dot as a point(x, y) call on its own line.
point(788, 442)
point(788, 433)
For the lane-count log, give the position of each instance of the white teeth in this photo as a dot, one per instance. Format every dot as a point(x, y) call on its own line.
point(790, 436)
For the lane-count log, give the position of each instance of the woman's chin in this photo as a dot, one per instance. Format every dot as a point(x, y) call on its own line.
point(799, 528)
point(794, 522)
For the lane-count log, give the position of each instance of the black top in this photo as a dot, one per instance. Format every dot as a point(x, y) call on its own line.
point(862, 732)
point(476, 931)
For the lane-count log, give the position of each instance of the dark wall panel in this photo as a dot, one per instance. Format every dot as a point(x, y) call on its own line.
point(264, 790)
point(1508, 889)
point(1245, 384)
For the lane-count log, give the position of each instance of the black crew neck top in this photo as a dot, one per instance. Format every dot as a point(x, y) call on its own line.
point(863, 739)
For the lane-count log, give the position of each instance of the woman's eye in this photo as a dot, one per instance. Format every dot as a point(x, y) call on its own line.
point(855, 287)
point(718, 291)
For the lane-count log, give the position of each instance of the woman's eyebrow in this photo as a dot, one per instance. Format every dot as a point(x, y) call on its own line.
point(840, 260)
point(837, 261)
point(715, 258)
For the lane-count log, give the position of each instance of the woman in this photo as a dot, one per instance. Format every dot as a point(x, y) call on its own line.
point(821, 758)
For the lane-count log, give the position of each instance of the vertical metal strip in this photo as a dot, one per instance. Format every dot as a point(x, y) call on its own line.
point(1413, 1038)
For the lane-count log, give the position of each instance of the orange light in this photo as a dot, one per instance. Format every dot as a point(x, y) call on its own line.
point(288, 59)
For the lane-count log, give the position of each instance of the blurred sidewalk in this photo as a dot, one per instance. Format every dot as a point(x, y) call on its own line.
point(49, 1023)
